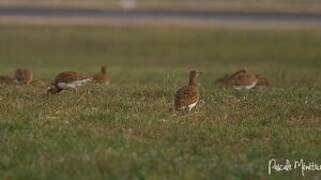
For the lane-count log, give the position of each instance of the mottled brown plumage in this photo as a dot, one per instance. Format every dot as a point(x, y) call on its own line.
point(23, 76)
point(242, 79)
point(188, 96)
point(102, 77)
point(68, 80)
point(263, 82)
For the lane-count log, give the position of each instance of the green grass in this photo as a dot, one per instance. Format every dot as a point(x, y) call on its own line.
point(125, 130)
point(277, 6)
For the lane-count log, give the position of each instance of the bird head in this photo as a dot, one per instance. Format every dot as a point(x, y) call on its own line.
point(194, 74)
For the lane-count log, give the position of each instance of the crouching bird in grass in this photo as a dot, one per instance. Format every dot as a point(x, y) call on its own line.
point(102, 77)
point(68, 81)
point(188, 96)
point(23, 76)
point(241, 79)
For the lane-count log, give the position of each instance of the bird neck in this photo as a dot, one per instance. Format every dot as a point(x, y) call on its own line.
point(192, 81)
point(103, 70)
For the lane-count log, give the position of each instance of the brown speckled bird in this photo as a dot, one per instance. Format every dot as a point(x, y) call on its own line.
point(102, 77)
point(23, 76)
point(68, 81)
point(242, 79)
point(188, 96)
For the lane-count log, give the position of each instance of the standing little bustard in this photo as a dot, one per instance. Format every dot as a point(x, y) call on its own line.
point(102, 77)
point(188, 96)
point(68, 80)
point(23, 76)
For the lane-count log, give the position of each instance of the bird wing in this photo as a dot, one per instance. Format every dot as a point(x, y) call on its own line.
point(262, 81)
point(244, 79)
point(67, 77)
point(186, 95)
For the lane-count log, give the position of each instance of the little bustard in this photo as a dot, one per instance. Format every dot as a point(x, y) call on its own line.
point(188, 96)
point(68, 80)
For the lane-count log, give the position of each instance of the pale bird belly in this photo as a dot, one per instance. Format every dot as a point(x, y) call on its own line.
point(192, 105)
point(73, 85)
point(245, 86)
point(251, 86)
point(238, 87)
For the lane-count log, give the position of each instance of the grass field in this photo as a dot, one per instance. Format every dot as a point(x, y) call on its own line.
point(278, 6)
point(125, 130)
